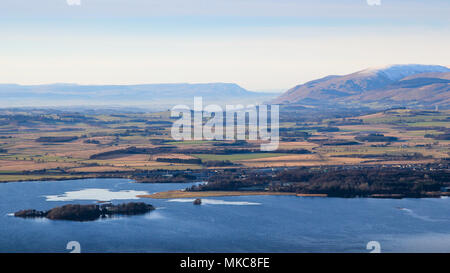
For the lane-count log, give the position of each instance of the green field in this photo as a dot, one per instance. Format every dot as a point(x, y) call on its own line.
point(236, 157)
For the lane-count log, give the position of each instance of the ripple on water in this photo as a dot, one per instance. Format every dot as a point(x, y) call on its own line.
point(415, 215)
point(215, 202)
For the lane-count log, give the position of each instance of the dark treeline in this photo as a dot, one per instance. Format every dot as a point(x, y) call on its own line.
point(339, 181)
point(300, 129)
point(156, 177)
point(232, 144)
point(57, 139)
point(174, 149)
point(218, 163)
point(91, 141)
point(328, 129)
point(423, 128)
point(210, 163)
point(241, 151)
point(333, 142)
point(445, 136)
point(292, 133)
point(376, 138)
point(132, 150)
point(232, 180)
point(343, 122)
point(386, 156)
point(363, 182)
point(180, 160)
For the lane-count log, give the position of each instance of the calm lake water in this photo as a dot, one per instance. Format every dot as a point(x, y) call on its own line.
point(222, 224)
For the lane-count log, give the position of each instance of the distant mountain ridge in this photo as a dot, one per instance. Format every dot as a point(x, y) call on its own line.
point(400, 85)
point(155, 95)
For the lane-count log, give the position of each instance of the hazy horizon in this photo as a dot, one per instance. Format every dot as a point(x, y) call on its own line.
point(259, 45)
point(274, 90)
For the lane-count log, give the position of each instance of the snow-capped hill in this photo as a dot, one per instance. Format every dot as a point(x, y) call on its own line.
point(400, 71)
point(410, 84)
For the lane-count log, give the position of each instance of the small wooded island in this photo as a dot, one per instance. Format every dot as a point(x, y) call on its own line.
point(76, 212)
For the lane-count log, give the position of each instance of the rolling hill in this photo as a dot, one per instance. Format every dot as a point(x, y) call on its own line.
point(158, 96)
point(396, 85)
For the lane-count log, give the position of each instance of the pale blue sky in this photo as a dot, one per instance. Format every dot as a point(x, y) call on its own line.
point(259, 44)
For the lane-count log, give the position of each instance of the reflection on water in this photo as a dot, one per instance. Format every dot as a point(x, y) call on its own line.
point(154, 215)
point(96, 194)
point(214, 202)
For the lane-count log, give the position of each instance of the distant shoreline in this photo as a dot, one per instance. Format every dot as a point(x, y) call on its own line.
point(192, 194)
point(197, 194)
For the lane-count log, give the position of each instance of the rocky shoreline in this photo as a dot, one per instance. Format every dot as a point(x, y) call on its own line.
point(76, 212)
